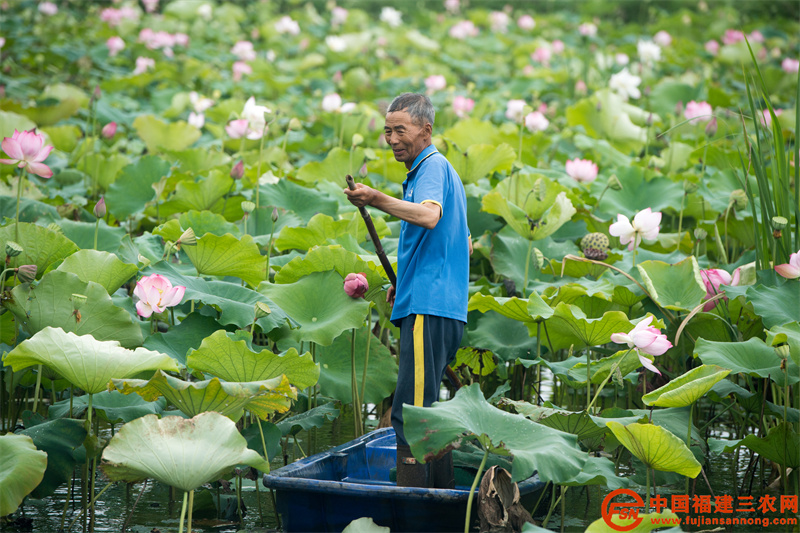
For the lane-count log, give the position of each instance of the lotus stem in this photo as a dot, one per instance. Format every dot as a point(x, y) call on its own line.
point(20, 184)
point(183, 511)
point(554, 501)
point(354, 387)
point(366, 354)
point(647, 498)
point(589, 378)
point(472, 489)
point(96, 231)
point(688, 442)
point(92, 504)
point(38, 386)
point(527, 267)
point(603, 384)
point(191, 508)
point(680, 219)
point(258, 167)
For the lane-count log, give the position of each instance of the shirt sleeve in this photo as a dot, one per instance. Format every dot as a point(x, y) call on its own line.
point(430, 185)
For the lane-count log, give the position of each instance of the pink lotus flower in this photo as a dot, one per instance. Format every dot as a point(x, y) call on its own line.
point(514, 110)
point(143, 64)
point(583, 170)
point(355, 285)
point(790, 65)
point(239, 69)
point(452, 6)
point(713, 278)
point(236, 129)
point(587, 29)
point(115, 45)
point(287, 24)
point(536, 121)
point(155, 294)
point(100, 208)
point(462, 106)
point(48, 8)
point(621, 59)
point(109, 130)
point(756, 36)
point(766, 118)
point(150, 5)
point(462, 30)
point(542, 55)
point(644, 338)
point(662, 38)
point(712, 47)
point(580, 87)
point(645, 226)
point(732, 37)
point(338, 16)
point(244, 50)
point(27, 150)
point(499, 21)
point(526, 23)
point(557, 47)
point(698, 112)
point(790, 270)
point(434, 83)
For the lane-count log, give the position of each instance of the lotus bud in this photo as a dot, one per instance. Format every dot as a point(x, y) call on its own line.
point(355, 285)
point(187, 238)
point(649, 120)
point(700, 234)
point(238, 170)
point(679, 108)
point(689, 186)
point(295, 124)
point(26, 273)
point(738, 198)
point(262, 310)
point(13, 249)
point(248, 207)
point(143, 260)
point(78, 300)
point(109, 130)
point(274, 214)
point(782, 351)
point(711, 127)
point(100, 208)
point(97, 92)
point(357, 139)
point(371, 126)
point(613, 183)
point(595, 246)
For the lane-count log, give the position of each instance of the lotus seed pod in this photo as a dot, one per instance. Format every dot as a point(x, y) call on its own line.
point(778, 223)
point(782, 351)
point(700, 234)
point(78, 300)
point(187, 238)
point(614, 184)
point(739, 199)
point(689, 186)
point(13, 249)
point(26, 273)
point(295, 124)
point(248, 206)
point(595, 246)
point(357, 139)
point(262, 310)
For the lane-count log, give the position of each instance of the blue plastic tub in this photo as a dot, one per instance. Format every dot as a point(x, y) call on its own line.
point(327, 491)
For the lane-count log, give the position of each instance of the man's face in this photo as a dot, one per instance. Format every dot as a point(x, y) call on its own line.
point(406, 138)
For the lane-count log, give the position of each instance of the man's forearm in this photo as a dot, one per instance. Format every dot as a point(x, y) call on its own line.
point(424, 215)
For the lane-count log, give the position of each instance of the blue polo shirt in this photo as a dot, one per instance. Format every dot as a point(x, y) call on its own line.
point(433, 265)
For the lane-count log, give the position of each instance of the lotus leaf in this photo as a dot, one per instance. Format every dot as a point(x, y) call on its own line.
point(181, 453)
point(303, 201)
point(82, 234)
point(481, 160)
point(530, 222)
point(206, 194)
point(133, 188)
point(656, 447)
point(554, 454)
point(159, 135)
point(41, 246)
point(112, 406)
point(336, 165)
point(84, 361)
point(103, 169)
point(229, 398)
point(776, 305)
point(790, 334)
point(781, 445)
point(569, 326)
point(321, 229)
point(319, 304)
point(479, 361)
point(599, 369)
point(678, 287)
point(752, 357)
point(605, 115)
point(21, 470)
point(508, 338)
point(228, 256)
point(100, 267)
point(313, 418)
point(59, 439)
point(527, 311)
point(599, 471)
point(229, 357)
point(181, 338)
point(686, 389)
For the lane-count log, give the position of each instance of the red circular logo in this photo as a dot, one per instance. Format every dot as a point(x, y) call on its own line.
point(625, 510)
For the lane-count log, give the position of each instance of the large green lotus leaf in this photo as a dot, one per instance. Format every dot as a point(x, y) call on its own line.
point(10, 121)
point(678, 287)
point(64, 138)
point(686, 389)
point(50, 304)
point(228, 256)
point(649, 522)
point(313, 418)
point(335, 368)
point(385, 165)
point(776, 305)
point(509, 256)
point(133, 188)
point(789, 334)
point(109, 238)
point(599, 369)
point(673, 419)
point(528, 310)
point(569, 327)
point(533, 217)
point(235, 302)
point(21, 470)
point(332, 257)
point(304, 201)
point(203, 222)
point(599, 471)
point(507, 338)
point(84, 361)
point(471, 131)
point(198, 160)
point(111, 406)
point(181, 453)
point(656, 447)
point(553, 453)
point(46, 115)
point(101, 267)
point(101, 168)
point(579, 424)
point(229, 357)
point(479, 361)
point(41, 246)
point(605, 115)
point(336, 165)
point(317, 232)
point(781, 445)
point(159, 135)
point(205, 194)
point(641, 188)
point(753, 357)
point(319, 304)
point(481, 160)
point(227, 397)
point(182, 337)
point(59, 440)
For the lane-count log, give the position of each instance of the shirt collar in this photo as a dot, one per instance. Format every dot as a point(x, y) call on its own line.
point(423, 155)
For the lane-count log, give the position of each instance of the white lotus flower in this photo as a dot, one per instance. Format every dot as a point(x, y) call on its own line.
point(649, 52)
point(391, 16)
point(625, 84)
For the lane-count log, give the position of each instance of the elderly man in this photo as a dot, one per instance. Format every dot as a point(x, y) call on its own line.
point(430, 303)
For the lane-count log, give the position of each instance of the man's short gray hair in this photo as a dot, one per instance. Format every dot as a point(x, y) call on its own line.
point(418, 106)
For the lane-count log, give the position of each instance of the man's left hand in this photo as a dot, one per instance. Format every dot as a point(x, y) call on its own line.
point(361, 196)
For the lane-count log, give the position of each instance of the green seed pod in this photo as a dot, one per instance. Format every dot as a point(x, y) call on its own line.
point(739, 199)
point(248, 206)
point(78, 300)
point(187, 238)
point(262, 310)
point(778, 223)
point(782, 351)
point(700, 234)
point(26, 273)
point(595, 246)
point(614, 183)
point(13, 249)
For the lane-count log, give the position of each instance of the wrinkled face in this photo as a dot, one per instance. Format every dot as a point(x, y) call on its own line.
point(406, 138)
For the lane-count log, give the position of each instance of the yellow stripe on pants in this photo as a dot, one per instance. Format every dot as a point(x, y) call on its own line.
point(419, 360)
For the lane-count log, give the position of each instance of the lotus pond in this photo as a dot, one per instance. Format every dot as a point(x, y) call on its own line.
point(174, 317)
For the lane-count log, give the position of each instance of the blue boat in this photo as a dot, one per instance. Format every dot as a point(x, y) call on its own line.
point(327, 491)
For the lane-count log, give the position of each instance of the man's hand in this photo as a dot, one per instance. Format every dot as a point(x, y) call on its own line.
point(361, 196)
point(390, 295)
